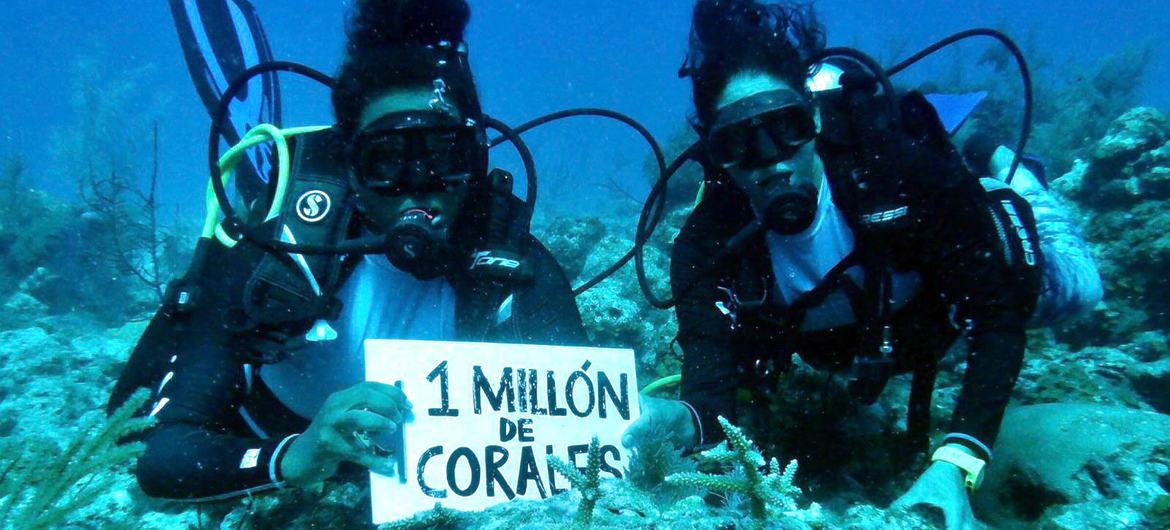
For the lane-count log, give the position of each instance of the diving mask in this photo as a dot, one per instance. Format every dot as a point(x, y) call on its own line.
point(757, 140)
point(758, 130)
point(417, 152)
point(403, 156)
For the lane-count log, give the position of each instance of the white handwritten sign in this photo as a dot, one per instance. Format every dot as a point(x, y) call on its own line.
point(487, 416)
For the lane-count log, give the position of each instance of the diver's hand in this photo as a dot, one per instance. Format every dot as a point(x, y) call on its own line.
point(941, 488)
point(333, 437)
point(662, 417)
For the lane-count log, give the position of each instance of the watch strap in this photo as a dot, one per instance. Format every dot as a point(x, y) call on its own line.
point(971, 465)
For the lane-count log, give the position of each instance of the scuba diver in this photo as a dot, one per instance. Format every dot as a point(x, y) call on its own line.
point(838, 222)
point(254, 389)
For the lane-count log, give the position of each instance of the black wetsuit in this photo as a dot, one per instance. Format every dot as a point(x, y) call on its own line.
point(222, 432)
point(975, 282)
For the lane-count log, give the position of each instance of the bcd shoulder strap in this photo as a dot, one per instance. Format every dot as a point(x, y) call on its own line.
point(317, 210)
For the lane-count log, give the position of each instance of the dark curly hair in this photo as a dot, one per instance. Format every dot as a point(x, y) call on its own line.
point(733, 36)
point(387, 50)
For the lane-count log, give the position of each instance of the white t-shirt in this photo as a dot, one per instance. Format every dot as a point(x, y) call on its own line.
point(801, 261)
point(380, 302)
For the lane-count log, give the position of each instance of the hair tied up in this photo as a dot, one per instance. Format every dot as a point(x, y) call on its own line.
point(406, 23)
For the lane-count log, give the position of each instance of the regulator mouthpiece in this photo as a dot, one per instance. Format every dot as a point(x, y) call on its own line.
point(790, 212)
point(415, 245)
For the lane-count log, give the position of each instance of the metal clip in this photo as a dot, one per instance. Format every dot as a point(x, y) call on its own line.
point(439, 102)
point(887, 346)
point(730, 308)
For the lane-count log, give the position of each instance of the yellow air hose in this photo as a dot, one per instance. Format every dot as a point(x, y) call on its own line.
point(264, 133)
point(669, 380)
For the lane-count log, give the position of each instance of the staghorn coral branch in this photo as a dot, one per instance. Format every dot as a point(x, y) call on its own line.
point(718, 455)
point(710, 482)
point(588, 483)
point(773, 489)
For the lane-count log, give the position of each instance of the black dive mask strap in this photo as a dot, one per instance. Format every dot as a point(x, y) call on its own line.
point(758, 104)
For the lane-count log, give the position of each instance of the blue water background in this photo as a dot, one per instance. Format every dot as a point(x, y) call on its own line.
point(531, 57)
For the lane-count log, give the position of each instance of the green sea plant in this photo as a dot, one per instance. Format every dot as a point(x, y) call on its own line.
point(768, 489)
point(653, 458)
point(588, 484)
point(39, 490)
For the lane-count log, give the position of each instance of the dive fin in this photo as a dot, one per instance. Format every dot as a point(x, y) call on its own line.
point(221, 39)
point(955, 109)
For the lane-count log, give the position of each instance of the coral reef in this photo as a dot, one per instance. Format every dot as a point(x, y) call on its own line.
point(767, 491)
point(59, 256)
point(615, 312)
point(1048, 469)
point(1122, 192)
point(1093, 392)
point(439, 517)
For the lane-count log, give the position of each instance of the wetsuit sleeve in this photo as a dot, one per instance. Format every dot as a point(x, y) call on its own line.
point(981, 257)
point(195, 451)
point(709, 372)
point(547, 309)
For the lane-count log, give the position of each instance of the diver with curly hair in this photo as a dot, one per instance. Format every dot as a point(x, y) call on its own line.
point(870, 248)
point(254, 388)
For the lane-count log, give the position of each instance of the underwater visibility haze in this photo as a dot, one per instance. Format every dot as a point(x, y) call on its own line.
point(747, 269)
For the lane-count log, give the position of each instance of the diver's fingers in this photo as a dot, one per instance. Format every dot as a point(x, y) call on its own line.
point(354, 447)
point(381, 398)
point(650, 408)
point(364, 420)
point(389, 392)
point(380, 464)
point(637, 430)
point(337, 443)
point(382, 405)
